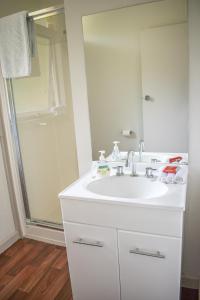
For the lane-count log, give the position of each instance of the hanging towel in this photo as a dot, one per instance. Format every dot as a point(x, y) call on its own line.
point(16, 44)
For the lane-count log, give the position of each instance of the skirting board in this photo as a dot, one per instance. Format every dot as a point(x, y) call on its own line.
point(46, 235)
point(9, 241)
point(191, 283)
point(199, 289)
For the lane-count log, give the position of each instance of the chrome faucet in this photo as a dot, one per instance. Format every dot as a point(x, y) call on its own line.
point(149, 172)
point(141, 149)
point(130, 163)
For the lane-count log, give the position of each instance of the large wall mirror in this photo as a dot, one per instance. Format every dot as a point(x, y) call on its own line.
point(137, 76)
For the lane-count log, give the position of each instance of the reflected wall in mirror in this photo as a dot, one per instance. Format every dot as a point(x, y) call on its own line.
point(137, 76)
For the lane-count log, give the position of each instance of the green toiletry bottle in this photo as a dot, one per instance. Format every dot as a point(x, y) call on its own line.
point(103, 167)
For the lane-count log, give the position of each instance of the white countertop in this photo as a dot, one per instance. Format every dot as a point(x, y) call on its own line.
point(173, 199)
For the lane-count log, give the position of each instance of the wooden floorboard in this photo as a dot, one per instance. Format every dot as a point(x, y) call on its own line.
point(33, 270)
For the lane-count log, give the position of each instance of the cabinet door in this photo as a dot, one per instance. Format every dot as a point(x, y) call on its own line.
point(93, 262)
point(150, 266)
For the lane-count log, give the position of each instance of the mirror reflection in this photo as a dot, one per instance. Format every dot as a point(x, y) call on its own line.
point(137, 72)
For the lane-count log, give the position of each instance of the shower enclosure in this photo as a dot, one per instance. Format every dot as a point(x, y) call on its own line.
point(42, 122)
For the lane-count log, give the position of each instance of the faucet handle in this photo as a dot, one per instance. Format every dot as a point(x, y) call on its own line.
point(149, 172)
point(155, 160)
point(120, 171)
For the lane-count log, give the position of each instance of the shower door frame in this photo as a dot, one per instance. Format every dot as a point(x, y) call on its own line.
point(36, 15)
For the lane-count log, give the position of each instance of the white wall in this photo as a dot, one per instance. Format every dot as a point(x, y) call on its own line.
point(7, 226)
point(191, 248)
point(8, 232)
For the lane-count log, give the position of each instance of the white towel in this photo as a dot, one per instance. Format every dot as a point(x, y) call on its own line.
point(15, 46)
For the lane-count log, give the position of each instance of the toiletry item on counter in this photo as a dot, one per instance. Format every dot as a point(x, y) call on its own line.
point(115, 156)
point(173, 174)
point(103, 167)
point(170, 178)
point(167, 178)
point(181, 176)
point(170, 173)
point(175, 159)
point(162, 177)
point(170, 169)
point(94, 169)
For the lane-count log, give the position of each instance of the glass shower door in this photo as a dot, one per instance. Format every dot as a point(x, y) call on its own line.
point(44, 117)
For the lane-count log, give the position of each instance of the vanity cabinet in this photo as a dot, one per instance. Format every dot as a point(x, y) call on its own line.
point(123, 248)
point(113, 264)
point(150, 266)
point(93, 262)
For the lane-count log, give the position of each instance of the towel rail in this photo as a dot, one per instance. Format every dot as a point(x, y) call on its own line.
point(46, 12)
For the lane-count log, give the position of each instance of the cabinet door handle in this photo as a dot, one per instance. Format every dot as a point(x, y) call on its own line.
point(88, 243)
point(138, 251)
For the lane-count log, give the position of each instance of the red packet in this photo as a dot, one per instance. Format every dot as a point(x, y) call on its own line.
point(174, 159)
point(170, 169)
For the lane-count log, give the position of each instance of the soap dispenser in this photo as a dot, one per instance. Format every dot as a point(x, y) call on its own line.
point(115, 153)
point(103, 167)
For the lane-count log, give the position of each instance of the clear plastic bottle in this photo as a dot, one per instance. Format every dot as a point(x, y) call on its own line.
point(103, 167)
point(115, 153)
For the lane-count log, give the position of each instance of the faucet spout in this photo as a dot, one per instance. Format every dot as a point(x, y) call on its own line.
point(141, 149)
point(130, 162)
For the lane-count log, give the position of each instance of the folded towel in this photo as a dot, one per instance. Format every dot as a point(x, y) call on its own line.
point(15, 45)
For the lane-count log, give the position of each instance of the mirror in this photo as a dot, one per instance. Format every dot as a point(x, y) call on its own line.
point(137, 77)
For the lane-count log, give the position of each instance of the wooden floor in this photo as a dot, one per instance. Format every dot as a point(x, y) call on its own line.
point(34, 270)
point(38, 271)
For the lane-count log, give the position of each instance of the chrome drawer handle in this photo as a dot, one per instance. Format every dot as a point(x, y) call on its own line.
point(88, 243)
point(138, 251)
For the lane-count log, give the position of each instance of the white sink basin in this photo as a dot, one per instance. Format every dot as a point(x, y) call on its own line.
point(127, 187)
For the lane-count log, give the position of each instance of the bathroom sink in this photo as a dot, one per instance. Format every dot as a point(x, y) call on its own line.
point(127, 187)
point(115, 190)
